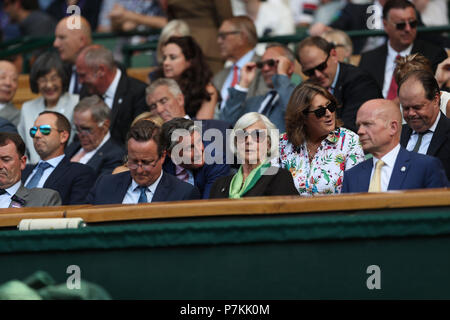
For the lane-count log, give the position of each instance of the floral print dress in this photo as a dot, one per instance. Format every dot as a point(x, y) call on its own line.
point(339, 151)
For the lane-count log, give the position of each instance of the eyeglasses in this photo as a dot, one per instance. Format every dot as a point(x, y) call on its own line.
point(42, 81)
point(270, 62)
point(257, 135)
point(321, 111)
point(145, 165)
point(84, 130)
point(402, 25)
point(223, 35)
point(45, 130)
point(320, 67)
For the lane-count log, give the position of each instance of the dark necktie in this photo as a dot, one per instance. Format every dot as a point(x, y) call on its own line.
point(419, 140)
point(143, 195)
point(76, 89)
point(269, 104)
point(2, 191)
point(42, 166)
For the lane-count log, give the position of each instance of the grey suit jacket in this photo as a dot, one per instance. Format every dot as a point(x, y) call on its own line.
point(10, 113)
point(36, 197)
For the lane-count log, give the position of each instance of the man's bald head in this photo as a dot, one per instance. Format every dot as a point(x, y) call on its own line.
point(379, 126)
point(9, 80)
point(70, 40)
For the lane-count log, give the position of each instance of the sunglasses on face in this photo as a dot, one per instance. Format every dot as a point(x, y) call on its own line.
point(320, 67)
point(321, 110)
point(257, 135)
point(402, 25)
point(45, 130)
point(270, 62)
point(223, 35)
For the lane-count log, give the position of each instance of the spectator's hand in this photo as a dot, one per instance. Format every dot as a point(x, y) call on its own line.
point(283, 65)
point(443, 72)
point(317, 29)
point(248, 73)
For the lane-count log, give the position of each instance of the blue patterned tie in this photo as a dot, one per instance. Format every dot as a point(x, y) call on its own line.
point(42, 166)
point(143, 195)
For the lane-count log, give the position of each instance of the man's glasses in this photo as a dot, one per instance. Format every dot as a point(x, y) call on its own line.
point(84, 130)
point(270, 62)
point(145, 165)
point(321, 111)
point(45, 130)
point(223, 35)
point(402, 25)
point(320, 67)
point(257, 135)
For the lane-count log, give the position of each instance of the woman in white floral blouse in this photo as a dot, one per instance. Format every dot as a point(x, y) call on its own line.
point(315, 149)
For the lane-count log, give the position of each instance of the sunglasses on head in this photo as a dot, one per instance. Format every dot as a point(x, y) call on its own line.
point(45, 130)
point(320, 67)
point(321, 110)
point(402, 25)
point(270, 62)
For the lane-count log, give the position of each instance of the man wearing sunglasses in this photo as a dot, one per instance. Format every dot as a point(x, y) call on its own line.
point(12, 192)
point(54, 170)
point(351, 85)
point(400, 23)
point(94, 145)
point(277, 67)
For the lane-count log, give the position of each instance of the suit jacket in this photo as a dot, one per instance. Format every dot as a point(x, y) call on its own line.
point(129, 102)
point(354, 86)
point(6, 126)
point(238, 104)
point(204, 177)
point(279, 184)
point(71, 179)
point(105, 160)
point(112, 188)
point(440, 142)
point(258, 86)
point(411, 171)
point(10, 113)
point(374, 61)
point(37, 197)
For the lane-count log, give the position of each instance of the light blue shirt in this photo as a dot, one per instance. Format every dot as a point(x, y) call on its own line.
point(53, 162)
point(5, 199)
point(133, 193)
point(333, 85)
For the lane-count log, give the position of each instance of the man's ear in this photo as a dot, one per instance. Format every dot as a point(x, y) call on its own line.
point(180, 100)
point(23, 162)
point(63, 136)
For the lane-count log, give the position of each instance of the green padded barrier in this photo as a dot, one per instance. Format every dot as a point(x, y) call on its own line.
point(298, 256)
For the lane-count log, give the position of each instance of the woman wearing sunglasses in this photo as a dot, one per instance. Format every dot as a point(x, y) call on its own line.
point(315, 149)
point(252, 138)
point(49, 79)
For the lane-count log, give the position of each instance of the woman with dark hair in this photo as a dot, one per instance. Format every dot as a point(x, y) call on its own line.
point(315, 149)
point(48, 78)
point(184, 62)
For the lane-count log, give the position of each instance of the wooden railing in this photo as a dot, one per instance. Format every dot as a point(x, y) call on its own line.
point(247, 206)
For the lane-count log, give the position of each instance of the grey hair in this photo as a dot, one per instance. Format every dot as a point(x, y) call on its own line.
point(173, 86)
point(96, 55)
point(98, 108)
point(286, 51)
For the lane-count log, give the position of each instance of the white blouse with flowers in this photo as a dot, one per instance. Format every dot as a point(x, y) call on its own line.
point(339, 151)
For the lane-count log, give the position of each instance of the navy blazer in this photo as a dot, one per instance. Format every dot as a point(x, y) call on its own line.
point(411, 171)
point(440, 142)
point(71, 179)
point(105, 160)
point(112, 188)
point(204, 177)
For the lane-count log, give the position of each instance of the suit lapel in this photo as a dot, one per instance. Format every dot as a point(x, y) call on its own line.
point(162, 189)
point(440, 136)
point(57, 173)
point(400, 170)
point(405, 135)
point(366, 168)
point(118, 98)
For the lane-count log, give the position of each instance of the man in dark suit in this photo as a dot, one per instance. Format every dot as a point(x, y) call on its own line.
point(427, 129)
point(277, 67)
point(400, 23)
point(145, 182)
point(125, 96)
point(187, 159)
point(55, 171)
point(12, 192)
point(392, 167)
point(349, 84)
point(94, 145)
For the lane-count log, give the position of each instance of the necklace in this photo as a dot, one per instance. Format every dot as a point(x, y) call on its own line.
point(312, 149)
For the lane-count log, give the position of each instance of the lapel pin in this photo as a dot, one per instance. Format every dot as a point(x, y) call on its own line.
point(120, 100)
point(403, 169)
point(223, 190)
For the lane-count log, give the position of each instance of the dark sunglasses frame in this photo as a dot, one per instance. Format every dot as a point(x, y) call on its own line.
point(320, 67)
point(321, 111)
point(258, 135)
point(223, 35)
point(45, 129)
point(402, 25)
point(270, 62)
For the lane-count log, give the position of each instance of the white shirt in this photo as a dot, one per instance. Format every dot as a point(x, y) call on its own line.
point(85, 159)
point(108, 96)
point(133, 194)
point(227, 84)
point(390, 66)
point(2, 105)
point(53, 162)
point(426, 139)
point(386, 170)
point(5, 199)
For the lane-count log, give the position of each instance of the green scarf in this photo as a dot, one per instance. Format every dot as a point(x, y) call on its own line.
point(238, 187)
